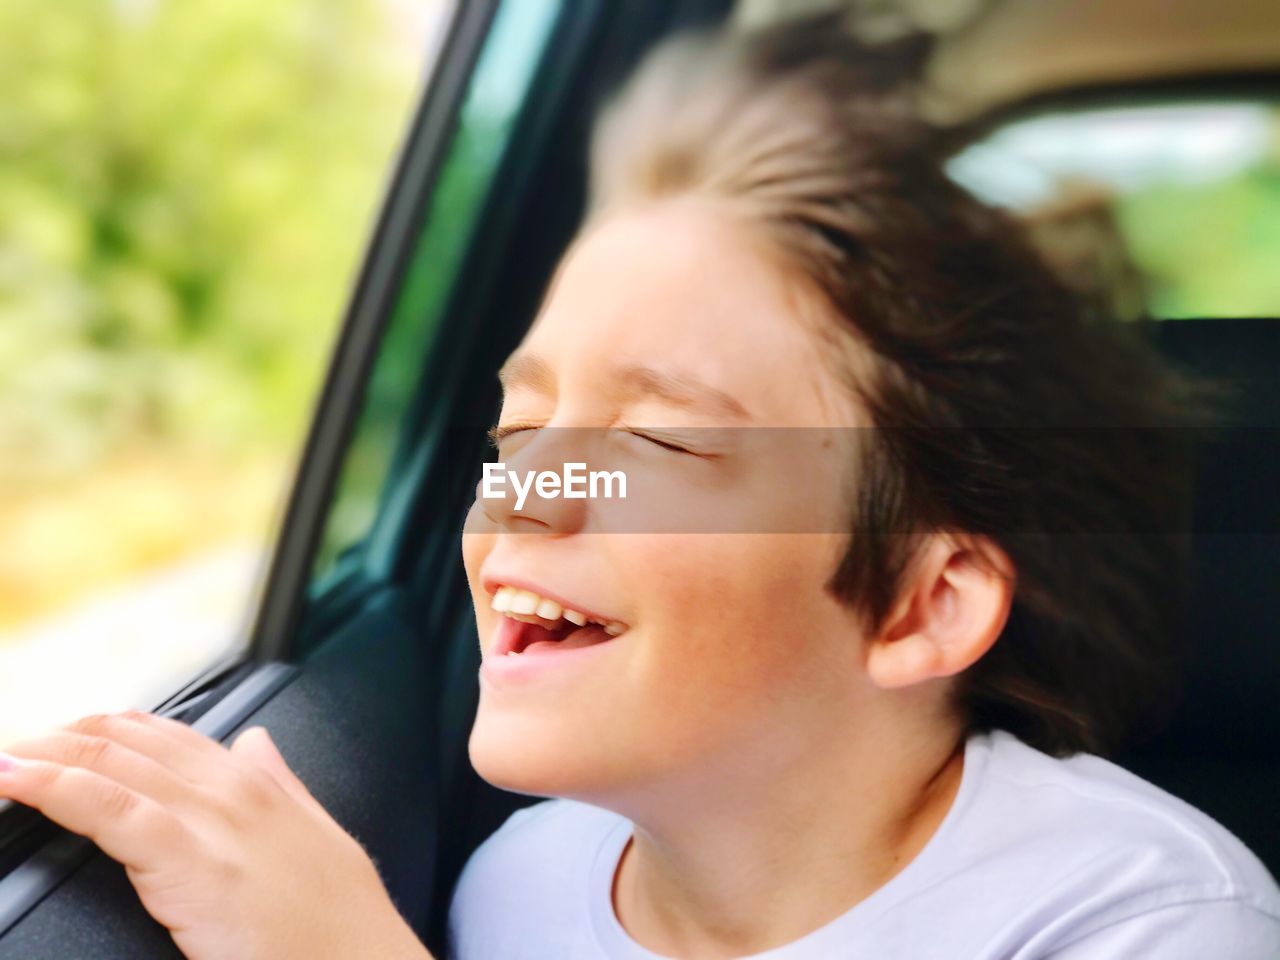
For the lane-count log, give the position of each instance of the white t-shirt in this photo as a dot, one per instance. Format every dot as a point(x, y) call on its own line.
point(1038, 857)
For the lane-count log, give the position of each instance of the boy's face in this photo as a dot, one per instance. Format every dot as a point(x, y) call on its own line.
point(732, 658)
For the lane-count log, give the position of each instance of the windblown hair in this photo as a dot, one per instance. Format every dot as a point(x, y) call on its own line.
point(1003, 405)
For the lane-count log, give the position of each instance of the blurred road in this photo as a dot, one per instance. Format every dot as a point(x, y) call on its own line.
point(130, 647)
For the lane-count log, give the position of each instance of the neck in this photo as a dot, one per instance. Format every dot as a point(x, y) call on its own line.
point(773, 857)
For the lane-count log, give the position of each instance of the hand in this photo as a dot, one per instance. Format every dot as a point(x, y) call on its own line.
point(226, 848)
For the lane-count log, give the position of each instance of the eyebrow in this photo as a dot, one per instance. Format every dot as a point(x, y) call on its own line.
point(635, 381)
point(526, 370)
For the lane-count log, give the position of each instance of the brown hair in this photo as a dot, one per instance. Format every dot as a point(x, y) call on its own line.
point(1004, 407)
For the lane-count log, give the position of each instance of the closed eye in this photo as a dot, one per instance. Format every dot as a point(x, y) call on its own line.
point(501, 431)
point(662, 442)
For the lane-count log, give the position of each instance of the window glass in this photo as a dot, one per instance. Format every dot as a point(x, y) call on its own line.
point(185, 192)
point(1173, 209)
point(498, 88)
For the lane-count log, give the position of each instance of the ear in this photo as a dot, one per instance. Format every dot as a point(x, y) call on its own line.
point(954, 602)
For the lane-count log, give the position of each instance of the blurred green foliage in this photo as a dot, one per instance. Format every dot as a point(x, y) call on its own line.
point(185, 192)
point(1209, 249)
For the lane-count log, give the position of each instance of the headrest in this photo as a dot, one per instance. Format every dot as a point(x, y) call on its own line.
point(1230, 706)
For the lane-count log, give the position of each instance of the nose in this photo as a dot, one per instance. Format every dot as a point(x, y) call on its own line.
point(526, 506)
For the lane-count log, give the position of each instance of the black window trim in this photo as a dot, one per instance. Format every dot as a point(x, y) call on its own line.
point(372, 300)
point(375, 560)
point(393, 548)
point(423, 439)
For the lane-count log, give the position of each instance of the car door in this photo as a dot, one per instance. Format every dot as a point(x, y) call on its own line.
point(363, 656)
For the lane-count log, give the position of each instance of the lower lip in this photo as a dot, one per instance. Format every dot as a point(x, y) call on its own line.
point(535, 663)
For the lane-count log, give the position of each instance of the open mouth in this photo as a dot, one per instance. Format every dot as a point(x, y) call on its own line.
point(540, 625)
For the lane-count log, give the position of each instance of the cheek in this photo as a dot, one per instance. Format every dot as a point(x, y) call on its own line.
point(742, 621)
point(737, 658)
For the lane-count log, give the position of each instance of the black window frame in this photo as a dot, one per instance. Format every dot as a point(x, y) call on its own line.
point(413, 539)
point(417, 170)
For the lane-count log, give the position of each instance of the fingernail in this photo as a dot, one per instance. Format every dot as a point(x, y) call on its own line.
point(7, 762)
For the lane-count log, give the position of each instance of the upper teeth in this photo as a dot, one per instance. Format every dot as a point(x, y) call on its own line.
point(527, 605)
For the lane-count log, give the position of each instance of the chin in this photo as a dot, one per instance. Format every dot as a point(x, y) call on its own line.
point(528, 758)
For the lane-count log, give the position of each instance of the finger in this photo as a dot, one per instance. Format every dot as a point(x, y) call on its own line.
point(256, 746)
point(175, 754)
point(113, 759)
point(128, 826)
point(180, 733)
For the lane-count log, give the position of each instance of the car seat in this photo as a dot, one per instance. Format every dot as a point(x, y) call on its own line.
point(1221, 749)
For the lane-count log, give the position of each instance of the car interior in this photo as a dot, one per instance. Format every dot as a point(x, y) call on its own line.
point(364, 653)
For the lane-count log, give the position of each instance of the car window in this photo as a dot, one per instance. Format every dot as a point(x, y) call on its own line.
point(185, 194)
point(1171, 209)
point(495, 95)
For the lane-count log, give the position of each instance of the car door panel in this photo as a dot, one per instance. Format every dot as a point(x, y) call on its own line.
point(351, 724)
